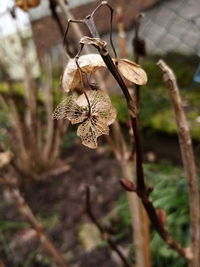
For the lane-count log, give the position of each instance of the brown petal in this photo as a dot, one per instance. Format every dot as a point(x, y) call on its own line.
point(69, 109)
point(88, 63)
point(100, 105)
point(131, 71)
point(90, 130)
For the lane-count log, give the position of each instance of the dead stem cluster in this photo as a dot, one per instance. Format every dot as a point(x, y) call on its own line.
point(92, 108)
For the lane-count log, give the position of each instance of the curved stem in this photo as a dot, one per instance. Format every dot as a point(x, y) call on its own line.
point(102, 230)
point(65, 44)
point(89, 106)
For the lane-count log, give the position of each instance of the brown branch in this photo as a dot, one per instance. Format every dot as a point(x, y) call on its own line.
point(187, 157)
point(61, 127)
point(8, 183)
point(48, 105)
point(54, 13)
point(155, 220)
point(121, 33)
point(141, 189)
point(11, 109)
point(104, 234)
point(25, 210)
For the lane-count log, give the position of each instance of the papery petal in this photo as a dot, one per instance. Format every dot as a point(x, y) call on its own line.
point(131, 71)
point(90, 130)
point(68, 109)
point(88, 63)
point(100, 105)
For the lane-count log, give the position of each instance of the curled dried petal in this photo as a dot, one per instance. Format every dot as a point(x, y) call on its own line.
point(88, 63)
point(100, 105)
point(131, 71)
point(69, 109)
point(90, 130)
point(94, 116)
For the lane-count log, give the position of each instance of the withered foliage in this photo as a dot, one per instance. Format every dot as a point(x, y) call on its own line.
point(93, 110)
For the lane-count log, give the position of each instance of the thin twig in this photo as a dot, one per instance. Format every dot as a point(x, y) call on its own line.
point(104, 234)
point(25, 210)
point(187, 157)
point(54, 13)
point(141, 233)
point(48, 105)
point(142, 190)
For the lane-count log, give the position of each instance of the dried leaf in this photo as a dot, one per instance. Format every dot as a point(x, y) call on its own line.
point(69, 109)
point(131, 71)
point(88, 63)
point(100, 105)
point(94, 118)
point(97, 42)
point(27, 4)
point(90, 130)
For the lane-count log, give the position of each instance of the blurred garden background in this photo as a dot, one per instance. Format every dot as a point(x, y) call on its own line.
point(43, 164)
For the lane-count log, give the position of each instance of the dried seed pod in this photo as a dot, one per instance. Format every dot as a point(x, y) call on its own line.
point(131, 71)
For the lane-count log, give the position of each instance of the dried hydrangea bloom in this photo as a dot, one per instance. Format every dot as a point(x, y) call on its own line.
point(91, 62)
point(131, 71)
point(88, 63)
point(94, 117)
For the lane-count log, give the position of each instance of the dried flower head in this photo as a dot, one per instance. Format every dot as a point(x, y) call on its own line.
point(88, 64)
point(94, 111)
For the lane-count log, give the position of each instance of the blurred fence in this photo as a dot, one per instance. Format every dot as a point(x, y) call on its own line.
point(172, 25)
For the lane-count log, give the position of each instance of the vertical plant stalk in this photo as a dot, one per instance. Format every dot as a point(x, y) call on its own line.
point(25, 210)
point(30, 97)
point(135, 211)
point(11, 108)
point(187, 157)
point(142, 190)
point(137, 43)
point(139, 218)
point(54, 130)
point(54, 13)
point(121, 33)
point(48, 104)
point(101, 229)
point(121, 155)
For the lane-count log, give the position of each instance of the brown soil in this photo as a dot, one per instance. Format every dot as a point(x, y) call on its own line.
point(64, 197)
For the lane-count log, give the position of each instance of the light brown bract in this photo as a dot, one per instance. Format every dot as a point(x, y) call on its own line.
point(88, 64)
point(94, 119)
point(131, 71)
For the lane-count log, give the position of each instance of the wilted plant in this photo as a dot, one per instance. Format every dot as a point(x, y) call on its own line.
point(79, 71)
point(93, 108)
point(35, 140)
